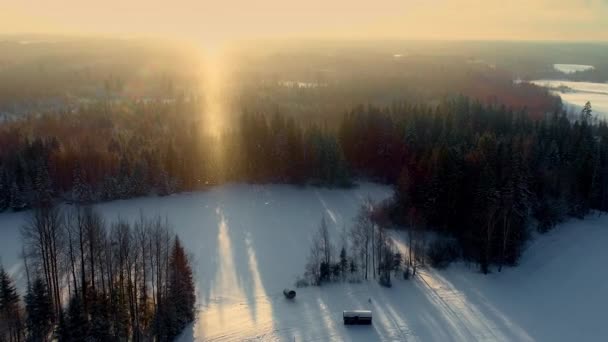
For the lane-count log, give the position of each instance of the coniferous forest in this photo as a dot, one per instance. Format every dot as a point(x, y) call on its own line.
point(478, 173)
point(480, 170)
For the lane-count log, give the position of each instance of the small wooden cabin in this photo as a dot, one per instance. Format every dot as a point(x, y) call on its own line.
point(357, 317)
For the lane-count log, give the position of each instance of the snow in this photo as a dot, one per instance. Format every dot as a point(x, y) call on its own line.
point(250, 242)
point(572, 68)
point(576, 94)
point(10, 243)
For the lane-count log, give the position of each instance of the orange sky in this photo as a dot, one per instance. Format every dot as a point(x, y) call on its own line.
point(222, 20)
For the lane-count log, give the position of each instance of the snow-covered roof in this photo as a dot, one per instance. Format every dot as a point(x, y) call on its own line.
point(358, 313)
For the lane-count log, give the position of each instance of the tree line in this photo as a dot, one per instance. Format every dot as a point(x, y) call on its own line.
point(478, 174)
point(118, 151)
point(481, 175)
point(92, 280)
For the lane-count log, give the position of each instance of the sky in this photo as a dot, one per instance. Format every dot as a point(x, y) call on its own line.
point(222, 20)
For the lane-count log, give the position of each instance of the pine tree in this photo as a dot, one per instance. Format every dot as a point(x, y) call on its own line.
point(328, 160)
point(140, 179)
point(42, 185)
point(81, 192)
point(17, 200)
point(62, 331)
point(39, 310)
point(119, 317)
point(99, 323)
point(5, 198)
point(125, 182)
point(166, 324)
point(110, 188)
point(11, 328)
point(586, 112)
point(181, 287)
point(353, 266)
point(77, 322)
point(166, 184)
point(343, 261)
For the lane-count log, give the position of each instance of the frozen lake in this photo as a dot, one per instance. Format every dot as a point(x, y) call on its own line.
point(572, 68)
point(575, 94)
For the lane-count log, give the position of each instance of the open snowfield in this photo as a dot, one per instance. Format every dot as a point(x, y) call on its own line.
point(579, 93)
point(572, 68)
point(249, 242)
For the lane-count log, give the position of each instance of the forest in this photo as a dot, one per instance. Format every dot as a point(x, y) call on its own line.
point(477, 177)
point(476, 161)
point(478, 173)
point(92, 280)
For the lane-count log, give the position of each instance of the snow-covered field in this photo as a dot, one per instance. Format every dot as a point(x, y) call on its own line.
point(572, 68)
point(249, 242)
point(576, 94)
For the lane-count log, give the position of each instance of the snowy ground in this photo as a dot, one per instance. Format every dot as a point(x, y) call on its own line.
point(249, 242)
point(579, 93)
point(572, 68)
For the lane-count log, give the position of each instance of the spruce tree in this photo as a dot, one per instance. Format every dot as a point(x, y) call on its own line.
point(343, 261)
point(17, 200)
point(586, 112)
point(42, 185)
point(5, 198)
point(10, 313)
point(62, 331)
point(181, 287)
point(77, 321)
point(176, 310)
point(39, 310)
point(81, 193)
point(99, 324)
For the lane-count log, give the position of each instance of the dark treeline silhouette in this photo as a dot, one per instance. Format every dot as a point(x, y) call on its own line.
point(481, 174)
point(107, 152)
point(475, 172)
point(92, 281)
point(478, 176)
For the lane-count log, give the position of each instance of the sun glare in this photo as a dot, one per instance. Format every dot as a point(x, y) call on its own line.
point(214, 111)
point(213, 78)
